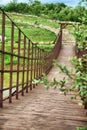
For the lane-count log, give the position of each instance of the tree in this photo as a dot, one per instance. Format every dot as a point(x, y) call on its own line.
point(22, 8)
point(36, 7)
point(12, 6)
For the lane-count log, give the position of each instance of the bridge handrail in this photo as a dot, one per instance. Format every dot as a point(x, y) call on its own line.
point(25, 62)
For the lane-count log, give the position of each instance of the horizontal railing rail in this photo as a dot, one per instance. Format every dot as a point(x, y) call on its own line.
point(21, 61)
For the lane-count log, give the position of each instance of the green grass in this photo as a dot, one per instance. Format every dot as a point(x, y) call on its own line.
point(35, 20)
point(39, 35)
point(36, 34)
point(46, 47)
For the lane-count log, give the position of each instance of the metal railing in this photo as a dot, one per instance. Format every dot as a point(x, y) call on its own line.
point(21, 60)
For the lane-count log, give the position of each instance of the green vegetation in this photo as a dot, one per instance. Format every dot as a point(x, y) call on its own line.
point(57, 11)
point(36, 34)
point(37, 20)
point(46, 47)
point(39, 35)
point(81, 128)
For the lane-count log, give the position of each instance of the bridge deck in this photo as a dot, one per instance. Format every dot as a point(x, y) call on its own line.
point(43, 109)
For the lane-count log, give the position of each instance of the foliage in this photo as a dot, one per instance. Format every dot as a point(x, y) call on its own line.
point(36, 34)
point(81, 128)
point(81, 62)
point(80, 32)
point(11, 6)
point(25, 20)
point(57, 11)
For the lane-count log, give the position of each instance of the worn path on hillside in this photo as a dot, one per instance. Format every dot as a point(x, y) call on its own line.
point(43, 109)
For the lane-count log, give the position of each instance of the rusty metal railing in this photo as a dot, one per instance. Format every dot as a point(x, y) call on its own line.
point(21, 60)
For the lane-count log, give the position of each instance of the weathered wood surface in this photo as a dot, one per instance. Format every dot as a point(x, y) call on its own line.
point(43, 109)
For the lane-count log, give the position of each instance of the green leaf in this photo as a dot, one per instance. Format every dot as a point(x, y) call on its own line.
point(35, 81)
point(63, 89)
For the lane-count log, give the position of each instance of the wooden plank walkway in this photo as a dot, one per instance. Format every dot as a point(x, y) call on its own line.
point(43, 109)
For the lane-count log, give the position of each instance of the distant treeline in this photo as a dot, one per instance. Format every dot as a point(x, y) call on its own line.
point(57, 11)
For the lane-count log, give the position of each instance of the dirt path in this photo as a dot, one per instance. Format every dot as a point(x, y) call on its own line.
point(68, 39)
point(43, 109)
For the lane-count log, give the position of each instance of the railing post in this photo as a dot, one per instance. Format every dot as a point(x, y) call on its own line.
point(44, 62)
point(41, 62)
point(2, 60)
point(37, 62)
point(31, 64)
point(35, 59)
point(23, 74)
point(11, 62)
point(27, 85)
point(18, 64)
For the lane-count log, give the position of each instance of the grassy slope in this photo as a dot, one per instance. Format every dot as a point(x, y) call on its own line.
point(35, 19)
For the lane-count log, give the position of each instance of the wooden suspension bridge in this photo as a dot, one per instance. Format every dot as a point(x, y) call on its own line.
point(40, 108)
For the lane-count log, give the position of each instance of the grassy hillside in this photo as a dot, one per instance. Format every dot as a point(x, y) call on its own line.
point(27, 24)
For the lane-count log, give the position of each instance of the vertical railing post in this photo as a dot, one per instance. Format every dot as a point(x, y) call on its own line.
point(28, 66)
point(34, 63)
point(41, 62)
point(31, 64)
point(11, 62)
point(37, 62)
point(18, 64)
point(23, 73)
point(2, 60)
point(44, 62)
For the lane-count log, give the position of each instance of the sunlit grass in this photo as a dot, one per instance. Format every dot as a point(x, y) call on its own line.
point(33, 33)
point(35, 20)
